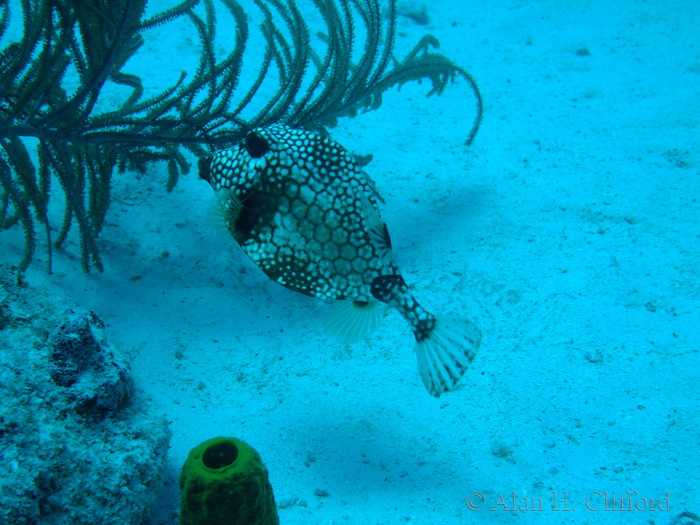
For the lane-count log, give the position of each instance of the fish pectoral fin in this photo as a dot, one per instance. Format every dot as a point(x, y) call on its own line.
point(352, 321)
point(446, 353)
point(224, 210)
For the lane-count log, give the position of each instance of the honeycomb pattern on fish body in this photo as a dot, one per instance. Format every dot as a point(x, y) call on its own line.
point(309, 218)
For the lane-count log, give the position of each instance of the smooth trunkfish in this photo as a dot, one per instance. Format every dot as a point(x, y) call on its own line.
point(303, 210)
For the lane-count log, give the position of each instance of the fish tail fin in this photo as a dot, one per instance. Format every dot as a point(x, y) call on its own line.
point(446, 353)
point(352, 321)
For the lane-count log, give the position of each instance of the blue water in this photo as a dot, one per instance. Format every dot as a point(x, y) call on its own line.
point(568, 232)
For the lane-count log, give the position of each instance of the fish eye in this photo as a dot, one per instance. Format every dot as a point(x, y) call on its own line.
point(255, 145)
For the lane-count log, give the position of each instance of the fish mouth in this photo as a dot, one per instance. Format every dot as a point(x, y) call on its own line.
point(204, 167)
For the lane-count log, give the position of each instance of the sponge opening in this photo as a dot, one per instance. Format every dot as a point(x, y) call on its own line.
point(220, 455)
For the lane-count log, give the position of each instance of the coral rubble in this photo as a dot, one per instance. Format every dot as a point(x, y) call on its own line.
point(77, 444)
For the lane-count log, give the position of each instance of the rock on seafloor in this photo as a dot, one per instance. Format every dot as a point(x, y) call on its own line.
point(77, 444)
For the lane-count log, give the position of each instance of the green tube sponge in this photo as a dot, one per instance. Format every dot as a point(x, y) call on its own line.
point(224, 482)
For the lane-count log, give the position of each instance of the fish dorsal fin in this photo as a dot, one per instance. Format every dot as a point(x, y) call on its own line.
point(225, 210)
point(377, 230)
